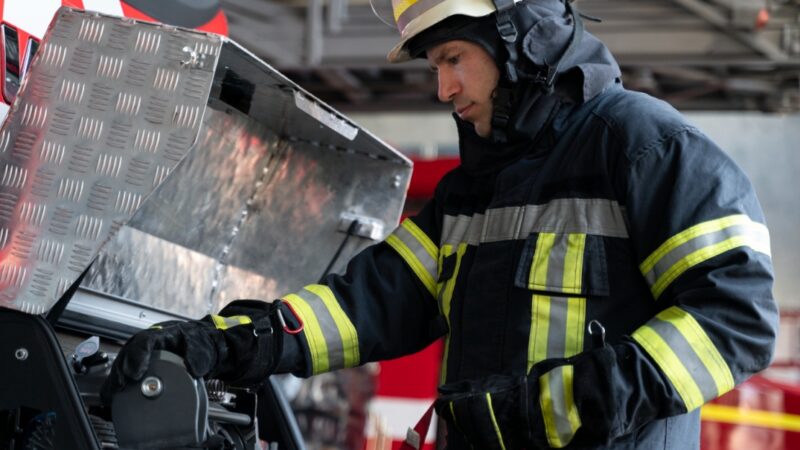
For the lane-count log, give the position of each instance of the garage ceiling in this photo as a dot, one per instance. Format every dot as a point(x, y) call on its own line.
point(696, 54)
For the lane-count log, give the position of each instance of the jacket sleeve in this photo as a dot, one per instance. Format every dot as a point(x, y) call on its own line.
point(702, 246)
point(382, 307)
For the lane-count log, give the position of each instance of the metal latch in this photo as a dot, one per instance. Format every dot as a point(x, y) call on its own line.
point(367, 227)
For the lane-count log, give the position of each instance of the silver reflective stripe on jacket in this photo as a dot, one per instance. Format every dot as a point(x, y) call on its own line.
point(600, 217)
point(332, 339)
point(700, 243)
point(686, 355)
point(560, 414)
point(418, 251)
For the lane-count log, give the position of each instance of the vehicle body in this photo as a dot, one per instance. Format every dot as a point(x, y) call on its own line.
point(24, 22)
point(152, 173)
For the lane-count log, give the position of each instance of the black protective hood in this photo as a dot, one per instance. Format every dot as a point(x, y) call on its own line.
point(545, 29)
point(548, 31)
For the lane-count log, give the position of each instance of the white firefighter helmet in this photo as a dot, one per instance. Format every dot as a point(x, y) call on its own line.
point(415, 16)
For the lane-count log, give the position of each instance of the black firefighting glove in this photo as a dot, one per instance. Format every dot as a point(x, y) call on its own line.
point(242, 346)
point(488, 414)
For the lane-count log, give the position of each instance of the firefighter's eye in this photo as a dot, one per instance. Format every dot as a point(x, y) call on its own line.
point(454, 59)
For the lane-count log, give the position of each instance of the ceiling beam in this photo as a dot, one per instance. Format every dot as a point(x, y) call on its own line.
point(721, 22)
point(343, 81)
point(313, 36)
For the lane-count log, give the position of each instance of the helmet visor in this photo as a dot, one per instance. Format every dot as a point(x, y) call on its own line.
point(383, 11)
point(401, 12)
point(412, 17)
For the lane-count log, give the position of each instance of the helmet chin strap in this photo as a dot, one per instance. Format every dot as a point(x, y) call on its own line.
point(544, 77)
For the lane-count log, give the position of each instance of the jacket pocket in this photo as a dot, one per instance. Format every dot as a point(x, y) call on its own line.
point(565, 264)
point(561, 271)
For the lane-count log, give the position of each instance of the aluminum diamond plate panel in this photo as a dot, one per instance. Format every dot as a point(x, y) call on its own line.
point(260, 205)
point(247, 214)
point(107, 111)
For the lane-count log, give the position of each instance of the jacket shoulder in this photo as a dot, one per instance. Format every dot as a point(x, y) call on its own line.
point(638, 121)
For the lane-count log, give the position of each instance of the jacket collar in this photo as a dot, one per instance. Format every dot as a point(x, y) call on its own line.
point(588, 71)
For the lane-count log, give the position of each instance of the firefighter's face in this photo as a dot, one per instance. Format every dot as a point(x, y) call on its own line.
point(467, 78)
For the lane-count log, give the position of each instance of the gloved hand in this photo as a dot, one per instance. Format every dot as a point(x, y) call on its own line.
point(505, 413)
point(490, 413)
point(241, 346)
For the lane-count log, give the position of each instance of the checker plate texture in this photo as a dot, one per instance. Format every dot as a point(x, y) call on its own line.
point(108, 109)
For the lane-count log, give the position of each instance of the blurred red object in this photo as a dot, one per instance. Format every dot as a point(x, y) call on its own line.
point(762, 18)
point(759, 414)
point(426, 175)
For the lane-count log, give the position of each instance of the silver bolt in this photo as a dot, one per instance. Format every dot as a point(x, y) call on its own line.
point(194, 59)
point(396, 181)
point(152, 387)
point(21, 354)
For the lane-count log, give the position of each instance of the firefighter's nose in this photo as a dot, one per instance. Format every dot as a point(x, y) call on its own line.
point(448, 86)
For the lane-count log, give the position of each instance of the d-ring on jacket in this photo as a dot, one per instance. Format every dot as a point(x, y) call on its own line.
point(619, 212)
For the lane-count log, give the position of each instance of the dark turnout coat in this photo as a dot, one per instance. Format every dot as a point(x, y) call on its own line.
point(620, 212)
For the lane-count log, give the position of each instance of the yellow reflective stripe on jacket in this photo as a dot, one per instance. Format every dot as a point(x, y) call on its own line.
point(494, 421)
point(348, 336)
point(701, 243)
point(223, 323)
point(445, 300)
point(541, 259)
point(540, 330)
point(312, 330)
point(575, 324)
point(686, 355)
point(557, 327)
point(560, 414)
point(557, 322)
point(418, 251)
point(453, 413)
point(332, 339)
point(447, 293)
point(573, 264)
point(558, 263)
point(422, 238)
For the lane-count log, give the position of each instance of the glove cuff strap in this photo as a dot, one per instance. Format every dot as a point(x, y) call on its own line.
point(286, 328)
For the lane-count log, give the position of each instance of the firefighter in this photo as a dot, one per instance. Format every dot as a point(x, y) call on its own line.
point(598, 267)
